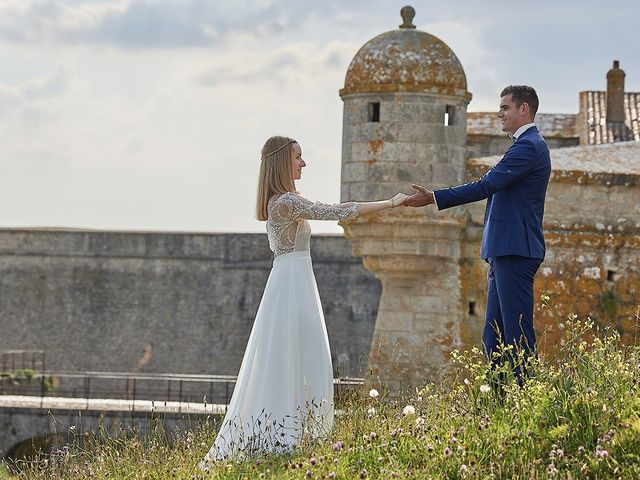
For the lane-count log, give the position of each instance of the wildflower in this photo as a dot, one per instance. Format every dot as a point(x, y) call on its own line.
point(559, 453)
point(373, 435)
point(464, 469)
point(313, 460)
point(371, 411)
point(363, 473)
point(485, 388)
point(447, 452)
point(600, 453)
point(308, 474)
point(581, 450)
point(337, 446)
point(453, 440)
point(419, 422)
point(408, 410)
point(332, 475)
point(373, 393)
point(429, 448)
point(552, 470)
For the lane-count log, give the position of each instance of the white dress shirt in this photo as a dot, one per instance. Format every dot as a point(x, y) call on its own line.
point(521, 130)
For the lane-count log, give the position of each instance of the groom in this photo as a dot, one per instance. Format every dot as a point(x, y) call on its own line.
point(512, 240)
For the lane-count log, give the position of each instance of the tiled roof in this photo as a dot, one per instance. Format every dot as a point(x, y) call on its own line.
point(611, 158)
point(549, 124)
point(593, 109)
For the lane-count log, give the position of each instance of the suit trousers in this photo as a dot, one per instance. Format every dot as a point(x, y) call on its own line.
point(509, 315)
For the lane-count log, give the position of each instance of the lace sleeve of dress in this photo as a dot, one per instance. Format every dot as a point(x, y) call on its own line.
point(301, 208)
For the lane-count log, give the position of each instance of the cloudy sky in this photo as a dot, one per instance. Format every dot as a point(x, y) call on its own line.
point(150, 114)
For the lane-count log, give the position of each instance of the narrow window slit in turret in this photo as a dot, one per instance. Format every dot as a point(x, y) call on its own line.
point(374, 112)
point(449, 116)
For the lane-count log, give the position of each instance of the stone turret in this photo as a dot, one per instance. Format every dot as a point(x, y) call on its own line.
point(615, 94)
point(405, 103)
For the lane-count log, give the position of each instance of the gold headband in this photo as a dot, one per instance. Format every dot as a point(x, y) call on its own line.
point(277, 149)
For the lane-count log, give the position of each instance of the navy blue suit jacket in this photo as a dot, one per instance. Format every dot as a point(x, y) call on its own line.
point(515, 189)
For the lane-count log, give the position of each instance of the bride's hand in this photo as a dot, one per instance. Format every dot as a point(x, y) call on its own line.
point(398, 199)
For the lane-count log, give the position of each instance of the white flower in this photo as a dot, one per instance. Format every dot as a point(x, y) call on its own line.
point(371, 411)
point(408, 410)
point(466, 381)
point(373, 393)
point(485, 388)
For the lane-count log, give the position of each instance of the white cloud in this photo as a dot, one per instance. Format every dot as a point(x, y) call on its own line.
point(147, 23)
point(146, 114)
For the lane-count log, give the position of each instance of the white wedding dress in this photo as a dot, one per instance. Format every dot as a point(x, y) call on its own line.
point(284, 391)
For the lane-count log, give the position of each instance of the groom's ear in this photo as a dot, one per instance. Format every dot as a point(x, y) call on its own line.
point(524, 109)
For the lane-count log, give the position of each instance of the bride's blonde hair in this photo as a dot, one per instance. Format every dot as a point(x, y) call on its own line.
point(275, 172)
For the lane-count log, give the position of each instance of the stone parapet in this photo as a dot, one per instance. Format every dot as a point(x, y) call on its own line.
point(417, 260)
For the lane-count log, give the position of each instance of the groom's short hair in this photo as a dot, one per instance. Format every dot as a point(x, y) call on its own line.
point(523, 94)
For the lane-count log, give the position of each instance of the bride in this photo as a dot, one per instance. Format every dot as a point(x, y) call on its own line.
point(284, 391)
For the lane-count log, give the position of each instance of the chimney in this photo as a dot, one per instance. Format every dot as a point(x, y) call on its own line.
point(615, 94)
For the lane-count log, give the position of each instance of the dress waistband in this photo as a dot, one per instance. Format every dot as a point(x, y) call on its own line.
point(292, 255)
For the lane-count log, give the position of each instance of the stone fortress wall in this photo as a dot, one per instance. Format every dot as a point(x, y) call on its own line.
point(164, 302)
point(592, 232)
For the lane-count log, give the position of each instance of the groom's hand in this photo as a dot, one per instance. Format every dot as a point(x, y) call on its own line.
point(422, 197)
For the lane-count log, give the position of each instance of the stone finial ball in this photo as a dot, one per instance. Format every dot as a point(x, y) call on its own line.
point(407, 13)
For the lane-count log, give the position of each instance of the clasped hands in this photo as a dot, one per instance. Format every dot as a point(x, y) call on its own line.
point(422, 196)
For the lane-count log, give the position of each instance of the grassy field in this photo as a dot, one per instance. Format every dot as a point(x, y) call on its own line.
point(577, 416)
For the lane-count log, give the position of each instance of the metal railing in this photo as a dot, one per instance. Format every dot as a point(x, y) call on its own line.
point(139, 386)
point(15, 360)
